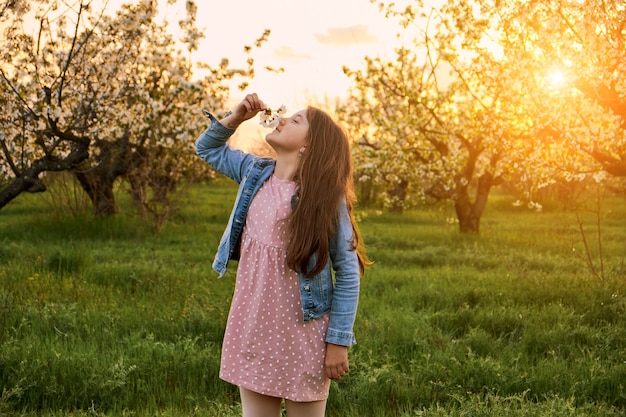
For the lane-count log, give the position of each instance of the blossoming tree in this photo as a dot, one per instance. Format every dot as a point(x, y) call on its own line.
point(105, 97)
point(473, 102)
point(577, 53)
point(428, 126)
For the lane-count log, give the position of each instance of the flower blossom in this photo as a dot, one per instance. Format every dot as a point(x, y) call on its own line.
point(270, 118)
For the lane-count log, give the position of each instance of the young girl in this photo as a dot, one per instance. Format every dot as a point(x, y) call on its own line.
point(290, 324)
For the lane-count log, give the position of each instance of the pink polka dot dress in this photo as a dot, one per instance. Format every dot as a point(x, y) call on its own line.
point(267, 347)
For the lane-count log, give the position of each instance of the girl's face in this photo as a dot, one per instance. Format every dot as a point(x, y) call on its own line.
point(290, 134)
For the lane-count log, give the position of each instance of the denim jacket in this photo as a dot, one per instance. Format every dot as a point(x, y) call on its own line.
point(319, 294)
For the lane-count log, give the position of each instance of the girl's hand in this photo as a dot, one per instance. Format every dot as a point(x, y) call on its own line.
point(249, 107)
point(336, 363)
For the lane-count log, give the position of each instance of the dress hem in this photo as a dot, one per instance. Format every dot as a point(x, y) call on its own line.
point(274, 393)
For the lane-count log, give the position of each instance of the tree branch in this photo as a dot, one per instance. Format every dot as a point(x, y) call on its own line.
point(17, 94)
point(8, 157)
point(70, 54)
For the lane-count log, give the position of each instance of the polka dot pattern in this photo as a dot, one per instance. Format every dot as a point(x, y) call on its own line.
point(267, 347)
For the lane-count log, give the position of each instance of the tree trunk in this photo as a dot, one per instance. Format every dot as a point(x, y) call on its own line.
point(163, 187)
point(115, 159)
point(137, 190)
point(99, 188)
point(398, 196)
point(469, 220)
point(469, 213)
point(365, 191)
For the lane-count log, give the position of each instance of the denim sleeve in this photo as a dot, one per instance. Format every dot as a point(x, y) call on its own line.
point(347, 282)
point(213, 148)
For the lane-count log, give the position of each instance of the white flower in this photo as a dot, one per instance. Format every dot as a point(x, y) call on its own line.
point(270, 118)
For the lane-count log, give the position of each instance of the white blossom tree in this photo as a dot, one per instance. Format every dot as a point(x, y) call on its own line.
point(106, 97)
point(577, 52)
point(480, 97)
point(427, 126)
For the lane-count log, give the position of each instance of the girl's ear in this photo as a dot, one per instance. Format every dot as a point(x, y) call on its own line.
point(301, 151)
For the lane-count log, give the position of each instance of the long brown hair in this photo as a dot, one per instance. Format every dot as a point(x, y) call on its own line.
point(324, 177)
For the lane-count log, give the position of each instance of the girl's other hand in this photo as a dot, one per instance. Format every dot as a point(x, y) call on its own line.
point(336, 363)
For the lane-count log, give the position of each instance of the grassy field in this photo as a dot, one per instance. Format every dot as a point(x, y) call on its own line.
point(109, 318)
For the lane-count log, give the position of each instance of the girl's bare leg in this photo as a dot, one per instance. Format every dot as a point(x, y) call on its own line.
point(254, 404)
point(308, 409)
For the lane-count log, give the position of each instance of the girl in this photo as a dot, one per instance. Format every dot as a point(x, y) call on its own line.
point(290, 324)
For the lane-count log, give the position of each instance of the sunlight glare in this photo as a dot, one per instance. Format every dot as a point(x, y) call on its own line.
point(556, 78)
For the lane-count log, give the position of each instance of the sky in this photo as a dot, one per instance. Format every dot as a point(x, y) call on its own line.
point(311, 39)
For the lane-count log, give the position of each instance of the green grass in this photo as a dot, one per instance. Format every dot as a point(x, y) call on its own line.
point(110, 318)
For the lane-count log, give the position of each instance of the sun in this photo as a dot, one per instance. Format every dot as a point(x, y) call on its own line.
point(556, 78)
